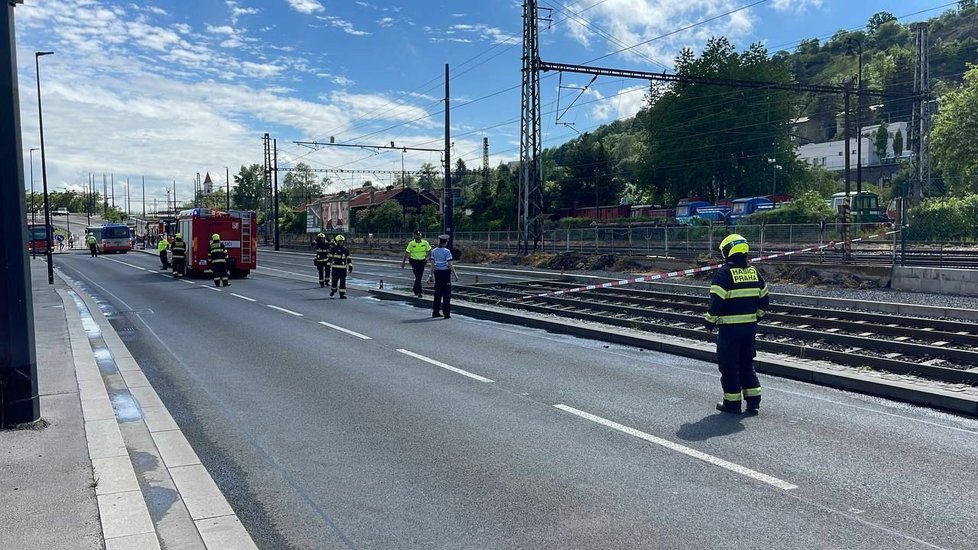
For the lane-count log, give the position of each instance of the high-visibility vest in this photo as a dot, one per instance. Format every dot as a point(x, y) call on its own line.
point(418, 250)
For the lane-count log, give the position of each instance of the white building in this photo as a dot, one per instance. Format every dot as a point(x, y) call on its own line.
point(831, 154)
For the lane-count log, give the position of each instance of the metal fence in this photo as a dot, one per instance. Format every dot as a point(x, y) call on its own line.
point(667, 241)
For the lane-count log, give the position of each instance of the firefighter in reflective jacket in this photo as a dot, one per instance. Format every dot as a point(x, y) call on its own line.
point(179, 250)
point(738, 298)
point(218, 257)
point(340, 264)
point(323, 249)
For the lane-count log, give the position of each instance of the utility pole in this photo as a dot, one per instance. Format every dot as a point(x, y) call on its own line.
point(112, 181)
point(530, 186)
point(227, 182)
point(105, 196)
point(128, 199)
point(144, 198)
point(449, 206)
point(174, 198)
point(275, 197)
point(19, 400)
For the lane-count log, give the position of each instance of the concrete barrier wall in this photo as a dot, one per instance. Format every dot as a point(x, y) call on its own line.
point(963, 282)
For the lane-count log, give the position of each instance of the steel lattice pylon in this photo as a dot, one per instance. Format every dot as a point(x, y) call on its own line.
point(530, 177)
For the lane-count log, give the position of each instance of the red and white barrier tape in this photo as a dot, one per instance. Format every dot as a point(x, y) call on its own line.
point(687, 272)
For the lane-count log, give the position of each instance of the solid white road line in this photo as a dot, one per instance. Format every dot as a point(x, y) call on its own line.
point(214, 288)
point(186, 281)
point(444, 366)
point(346, 330)
point(243, 297)
point(283, 310)
point(737, 468)
point(127, 264)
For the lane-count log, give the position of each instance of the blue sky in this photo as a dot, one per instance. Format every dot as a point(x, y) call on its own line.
point(166, 89)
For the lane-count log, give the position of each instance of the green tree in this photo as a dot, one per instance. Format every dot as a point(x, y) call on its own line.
point(881, 141)
point(953, 142)
point(898, 143)
point(300, 186)
point(878, 19)
point(714, 141)
point(249, 187)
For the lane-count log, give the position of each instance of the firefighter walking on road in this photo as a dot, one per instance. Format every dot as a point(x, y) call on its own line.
point(179, 259)
point(417, 253)
point(340, 263)
point(323, 249)
point(92, 243)
point(161, 247)
point(218, 258)
point(738, 298)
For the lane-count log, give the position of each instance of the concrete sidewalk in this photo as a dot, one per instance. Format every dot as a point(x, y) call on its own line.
point(47, 490)
point(92, 472)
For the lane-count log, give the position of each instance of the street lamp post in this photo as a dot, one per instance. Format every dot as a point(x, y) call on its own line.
point(859, 107)
point(33, 208)
point(776, 167)
point(44, 169)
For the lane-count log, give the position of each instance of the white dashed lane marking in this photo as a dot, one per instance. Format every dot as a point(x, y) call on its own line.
point(444, 366)
point(346, 330)
point(283, 310)
point(710, 459)
point(243, 297)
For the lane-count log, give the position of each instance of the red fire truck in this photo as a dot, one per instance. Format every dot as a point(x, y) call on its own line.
point(237, 231)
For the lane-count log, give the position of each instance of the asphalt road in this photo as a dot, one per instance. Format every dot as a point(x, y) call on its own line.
point(384, 428)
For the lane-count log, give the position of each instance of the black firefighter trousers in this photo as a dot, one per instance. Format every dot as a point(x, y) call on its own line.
point(735, 357)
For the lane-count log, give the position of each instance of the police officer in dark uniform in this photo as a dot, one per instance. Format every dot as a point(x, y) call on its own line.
point(323, 249)
point(218, 257)
point(340, 263)
point(738, 298)
point(179, 251)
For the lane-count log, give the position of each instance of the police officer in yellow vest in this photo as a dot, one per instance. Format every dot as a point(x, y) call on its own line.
point(417, 252)
point(738, 298)
point(179, 262)
point(161, 248)
point(92, 243)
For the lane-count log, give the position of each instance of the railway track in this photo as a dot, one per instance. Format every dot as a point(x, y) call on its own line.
point(937, 349)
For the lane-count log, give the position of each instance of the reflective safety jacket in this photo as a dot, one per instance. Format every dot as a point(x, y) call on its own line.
point(418, 250)
point(179, 249)
point(91, 240)
point(162, 245)
point(217, 253)
point(323, 250)
point(738, 294)
point(339, 258)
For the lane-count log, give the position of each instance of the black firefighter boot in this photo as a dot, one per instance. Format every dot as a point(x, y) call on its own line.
point(729, 406)
point(753, 404)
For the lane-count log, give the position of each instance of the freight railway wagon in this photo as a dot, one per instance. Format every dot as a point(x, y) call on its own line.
point(237, 231)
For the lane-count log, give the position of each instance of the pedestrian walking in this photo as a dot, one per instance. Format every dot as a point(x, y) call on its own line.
point(323, 249)
point(92, 243)
point(179, 250)
point(442, 270)
point(340, 265)
point(162, 247)
point(218, 258)
point(738, 298)
point(417, 252)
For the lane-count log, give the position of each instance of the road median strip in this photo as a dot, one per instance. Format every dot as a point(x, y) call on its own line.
point(815, 372)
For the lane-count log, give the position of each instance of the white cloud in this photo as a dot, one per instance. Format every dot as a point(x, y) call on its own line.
point(653, 23)
point(625, 104)
point(798, 6)
point(223, 29)
point(237, 11)
point(124, 96)
point(346, 26)
point(306, 6)
point(472, 33)
point(385, 21)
